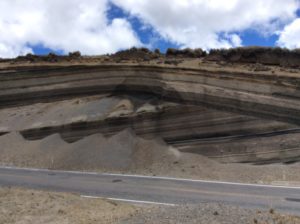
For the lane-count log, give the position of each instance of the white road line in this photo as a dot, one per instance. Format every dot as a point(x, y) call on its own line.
point(149, 177)
point(128, 200)
point(202, 181)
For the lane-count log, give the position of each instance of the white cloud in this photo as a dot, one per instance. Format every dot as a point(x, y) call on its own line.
point(236, 40)
point(66, 25)
point(198, 23)
point(290, 36)
point(10, 51)
point(71, 25)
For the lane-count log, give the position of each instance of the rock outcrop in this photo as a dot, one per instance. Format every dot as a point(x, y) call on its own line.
point(230, 113)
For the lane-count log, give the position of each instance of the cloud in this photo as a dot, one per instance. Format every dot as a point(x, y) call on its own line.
point(66, 25)
point(290, 36)
point(236, 40)
point(199, 23)
point(70, 25)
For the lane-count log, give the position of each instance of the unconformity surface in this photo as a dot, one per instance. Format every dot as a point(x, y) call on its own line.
point(240, 105)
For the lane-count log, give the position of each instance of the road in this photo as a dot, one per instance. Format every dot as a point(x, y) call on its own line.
point(155, 190)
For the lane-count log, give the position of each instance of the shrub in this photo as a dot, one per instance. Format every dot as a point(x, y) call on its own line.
point(75, 54)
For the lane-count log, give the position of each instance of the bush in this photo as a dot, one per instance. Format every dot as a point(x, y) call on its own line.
point(187, 52)
point(157, 51)
point(75, 54)
point(171, 52)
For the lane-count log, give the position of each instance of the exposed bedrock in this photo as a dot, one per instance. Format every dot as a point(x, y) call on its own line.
point(227, 137)
point(229, 116)
point(258, 95)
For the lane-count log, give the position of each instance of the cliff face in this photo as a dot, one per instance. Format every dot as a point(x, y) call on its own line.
point(230, 112)
point(254, 94)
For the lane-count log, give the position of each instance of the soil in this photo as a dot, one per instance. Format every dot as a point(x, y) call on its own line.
point(210, 213)
point(127, 153)
point(22, 206)
point(121, 152)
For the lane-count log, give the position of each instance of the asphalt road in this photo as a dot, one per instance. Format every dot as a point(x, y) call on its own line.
point(144, 189)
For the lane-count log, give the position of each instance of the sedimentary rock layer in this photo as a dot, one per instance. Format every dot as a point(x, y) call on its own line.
point(253, 94)
point(231, 115)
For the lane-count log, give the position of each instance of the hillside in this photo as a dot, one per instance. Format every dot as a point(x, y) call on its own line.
point(228, 106)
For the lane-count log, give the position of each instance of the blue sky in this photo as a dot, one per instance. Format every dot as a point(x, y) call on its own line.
point(106, 26)
point(249, 37)
point(146, 34)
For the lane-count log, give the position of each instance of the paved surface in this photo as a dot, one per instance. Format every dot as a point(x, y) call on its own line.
point(143, 189)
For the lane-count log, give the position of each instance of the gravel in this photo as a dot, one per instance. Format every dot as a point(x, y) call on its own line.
point(209, 214)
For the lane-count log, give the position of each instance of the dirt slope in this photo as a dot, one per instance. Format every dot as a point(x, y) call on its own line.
point(125, 152)
point(121, 152)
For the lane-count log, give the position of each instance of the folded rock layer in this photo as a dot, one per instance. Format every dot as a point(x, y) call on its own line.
point(230, 113)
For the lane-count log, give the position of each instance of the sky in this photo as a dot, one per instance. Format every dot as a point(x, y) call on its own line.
point(96, 27)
